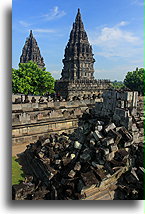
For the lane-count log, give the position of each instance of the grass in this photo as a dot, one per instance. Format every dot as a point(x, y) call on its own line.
point(17, 173)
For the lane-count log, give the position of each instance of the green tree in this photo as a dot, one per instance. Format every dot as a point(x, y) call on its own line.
point(117, 84)
point(135, 80)
point(30, 79)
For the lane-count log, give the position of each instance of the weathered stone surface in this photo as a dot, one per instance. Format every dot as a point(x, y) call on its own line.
point(78, 48)
point(31, 52)
point(71, 174)
point(77, 81)
point(110, 156)
point(97, 135)
point(66, 171)
point(77, 145)
point(107, 141)
point(110, 127)
point(89, 178)
point(77, 166)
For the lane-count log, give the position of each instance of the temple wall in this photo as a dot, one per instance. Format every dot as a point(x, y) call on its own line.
point(32, 120)
point(71, 89)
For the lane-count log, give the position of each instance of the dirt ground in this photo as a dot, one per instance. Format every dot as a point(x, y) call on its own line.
point(16, 149)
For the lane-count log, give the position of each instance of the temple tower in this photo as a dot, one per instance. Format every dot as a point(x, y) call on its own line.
point(77, 77)
point(78, 59)
point(31, 52)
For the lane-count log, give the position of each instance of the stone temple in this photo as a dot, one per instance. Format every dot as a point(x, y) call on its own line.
point(31, 52)
point(77, 77)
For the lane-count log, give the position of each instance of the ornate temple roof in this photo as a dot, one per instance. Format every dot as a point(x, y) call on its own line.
point(78, 58)
point(31, 52)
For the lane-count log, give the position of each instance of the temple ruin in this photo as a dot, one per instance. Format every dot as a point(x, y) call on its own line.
point(87, 143)
point(31, 52)
point(77, 78)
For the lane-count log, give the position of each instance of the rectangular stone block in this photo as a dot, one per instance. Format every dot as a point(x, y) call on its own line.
point(16, 107)
point(113, 148)
point(97, 135)
point(107, 141)
point(15, 133)
point(110, 156)
point(109, 127)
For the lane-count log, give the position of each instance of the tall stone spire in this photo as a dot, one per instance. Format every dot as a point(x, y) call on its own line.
point(78, 58)
point(31, 52)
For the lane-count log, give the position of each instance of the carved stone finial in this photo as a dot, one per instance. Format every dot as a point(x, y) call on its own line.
point(31, 34)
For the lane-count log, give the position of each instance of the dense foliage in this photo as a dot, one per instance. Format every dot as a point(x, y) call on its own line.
point(17, 173)
point(135, 80)
point(117, 84)
point(30, 79)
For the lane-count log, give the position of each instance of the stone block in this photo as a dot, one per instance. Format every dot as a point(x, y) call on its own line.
point(34, 105)
point(135, 99)
point(128, 143)
point(57, 162)
point(122, 112)
point(99, 128)
point(134, 128)
point(125, 134)
point(66, 160)
point(130, 178)
point(107, 141)
point(109, 127)
point(113, 147)
point(16, 107)
point(89, 178)
point(72, 156)
point(117, 137)
point(24, 118)
point(24, 131)
point(120, 104)
point(85, 157)
point(77, 145)
point(77, 166)
point(15, 132)
point(110, 156)
point(92, 142)
point(71, 174)
point(121, 154)
point(106, 151)
point(140, 124)
point(97, 135)
point(134, 112)
point(101, 173)
point(129, 96)
point(135, 137)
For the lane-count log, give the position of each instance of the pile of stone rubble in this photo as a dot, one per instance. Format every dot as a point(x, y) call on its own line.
point(62, 166)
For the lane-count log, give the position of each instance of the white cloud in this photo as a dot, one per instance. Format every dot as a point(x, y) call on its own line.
point(54, 13)
point(114, 35)
point(122, 23)
point(116, 42)
point(43, 30)
point(24, 24)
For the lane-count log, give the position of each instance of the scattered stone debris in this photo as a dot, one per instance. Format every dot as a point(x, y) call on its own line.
point(62, 166)
point(108, 144)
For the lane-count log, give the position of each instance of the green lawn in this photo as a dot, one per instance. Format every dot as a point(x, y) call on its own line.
point(17, 173)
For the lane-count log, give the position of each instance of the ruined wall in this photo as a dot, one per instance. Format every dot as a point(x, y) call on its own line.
point(125, 108)
point(100, 160)
point(32, 120)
